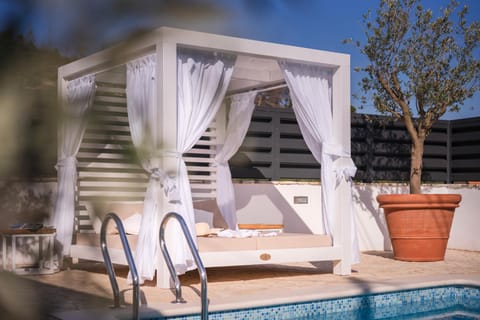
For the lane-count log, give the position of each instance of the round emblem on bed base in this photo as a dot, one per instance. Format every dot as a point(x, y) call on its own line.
point(265, 257)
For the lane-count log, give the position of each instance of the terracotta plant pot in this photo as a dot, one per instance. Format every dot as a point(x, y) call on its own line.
point(419, 224)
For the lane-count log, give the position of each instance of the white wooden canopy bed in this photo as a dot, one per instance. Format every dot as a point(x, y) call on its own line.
point(176, 84)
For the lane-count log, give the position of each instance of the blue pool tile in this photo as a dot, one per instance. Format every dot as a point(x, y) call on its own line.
point(391, 305)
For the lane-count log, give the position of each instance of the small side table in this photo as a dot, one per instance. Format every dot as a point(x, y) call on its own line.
point(40, 245)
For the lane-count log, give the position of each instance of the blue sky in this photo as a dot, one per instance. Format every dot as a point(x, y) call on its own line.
point(89, 25)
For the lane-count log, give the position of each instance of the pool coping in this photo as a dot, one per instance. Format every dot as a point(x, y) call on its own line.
point(312, 293)
point(357, 287)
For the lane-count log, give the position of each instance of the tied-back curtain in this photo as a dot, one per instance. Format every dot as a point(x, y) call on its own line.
point(310, 90)
point(202, 81)
point(241, 109)
point(79, 99)
point(145, 129)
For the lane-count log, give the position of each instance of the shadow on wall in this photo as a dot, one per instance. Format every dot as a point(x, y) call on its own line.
point(265, 203)
point(24, 202)
point(269, 203)
point(364, 199)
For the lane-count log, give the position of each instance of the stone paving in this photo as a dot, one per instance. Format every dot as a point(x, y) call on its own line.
point(85, 286)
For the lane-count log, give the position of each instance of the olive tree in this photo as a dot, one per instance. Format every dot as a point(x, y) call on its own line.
point(420, 66)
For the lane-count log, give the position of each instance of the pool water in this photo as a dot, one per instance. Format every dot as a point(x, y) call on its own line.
point(444, 302)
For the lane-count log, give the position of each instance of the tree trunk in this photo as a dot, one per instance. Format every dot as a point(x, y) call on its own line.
point(416, 166)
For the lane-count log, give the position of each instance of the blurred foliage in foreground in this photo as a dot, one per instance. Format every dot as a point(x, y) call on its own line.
point(28, 107)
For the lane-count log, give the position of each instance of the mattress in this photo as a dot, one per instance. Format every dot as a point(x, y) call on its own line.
point(216, 244)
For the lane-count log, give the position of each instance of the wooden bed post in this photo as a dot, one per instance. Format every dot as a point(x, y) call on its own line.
point(167, 118)
point(341, 132)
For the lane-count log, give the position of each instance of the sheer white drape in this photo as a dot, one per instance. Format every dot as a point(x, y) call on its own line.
point(310, 89)
point(241, 109)
point(144, 128)
point(80, 94)
point(202, 81)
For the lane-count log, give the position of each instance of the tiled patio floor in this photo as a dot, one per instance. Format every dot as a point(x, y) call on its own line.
point(85, 286)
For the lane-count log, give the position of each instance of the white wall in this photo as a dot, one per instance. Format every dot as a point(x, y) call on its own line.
point(26, 202)
point(273, 203)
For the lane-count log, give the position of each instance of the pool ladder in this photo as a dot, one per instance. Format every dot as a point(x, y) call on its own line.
point(109, 265)
point(201, 269)
point(128, 253)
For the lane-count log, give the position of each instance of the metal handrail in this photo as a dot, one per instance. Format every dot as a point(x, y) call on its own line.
point(109, 265)
point(201, 269)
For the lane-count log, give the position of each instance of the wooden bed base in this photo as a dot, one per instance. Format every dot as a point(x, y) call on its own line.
point(217, 252)
point(220, 252)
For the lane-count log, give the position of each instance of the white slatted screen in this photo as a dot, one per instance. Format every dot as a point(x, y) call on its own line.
point(107, 166)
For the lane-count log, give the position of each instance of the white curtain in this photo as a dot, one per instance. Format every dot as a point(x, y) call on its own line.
point(310, 90)
point(79, 98)
point(241, 109)
point(144, 128)
point(202, 81)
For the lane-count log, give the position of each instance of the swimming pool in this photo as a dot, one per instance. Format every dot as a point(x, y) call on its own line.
point(443, 302)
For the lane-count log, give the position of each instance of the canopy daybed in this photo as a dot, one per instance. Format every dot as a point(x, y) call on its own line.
point(176, 82)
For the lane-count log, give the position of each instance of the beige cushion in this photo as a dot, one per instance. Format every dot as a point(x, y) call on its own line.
point(132, 223)
point(124, 210)
point(202, 216)
point(282, 241)
point(209, 244)
point(213, 243)
point(211, 206)
point(294, 240)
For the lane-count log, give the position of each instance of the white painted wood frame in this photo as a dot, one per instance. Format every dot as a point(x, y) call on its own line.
point(164, 42)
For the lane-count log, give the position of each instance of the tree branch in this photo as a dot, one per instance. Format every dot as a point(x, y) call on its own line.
point(406, 115)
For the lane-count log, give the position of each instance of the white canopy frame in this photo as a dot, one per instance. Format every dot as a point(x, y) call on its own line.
point(164, 42)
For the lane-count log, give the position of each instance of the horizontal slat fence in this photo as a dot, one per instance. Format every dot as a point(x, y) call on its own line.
point(382, 151)
point(274, 150)
point(465, 150)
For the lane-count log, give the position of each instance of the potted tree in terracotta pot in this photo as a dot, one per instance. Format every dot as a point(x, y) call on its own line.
point(420, 66)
